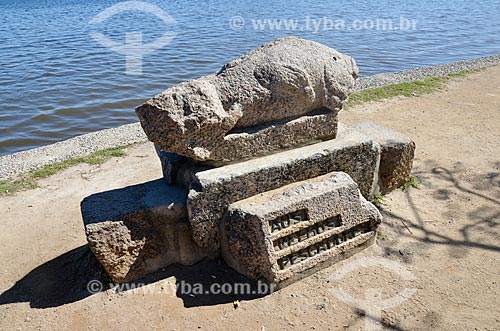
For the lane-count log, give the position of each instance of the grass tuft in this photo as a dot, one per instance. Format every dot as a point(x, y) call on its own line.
point(411, 182)
point(409, 89)
point(20, 184)
point(378, 200)
point(381, 236)
point(29, 179)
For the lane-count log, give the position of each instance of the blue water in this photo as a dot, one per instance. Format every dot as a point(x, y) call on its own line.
point(56, 81)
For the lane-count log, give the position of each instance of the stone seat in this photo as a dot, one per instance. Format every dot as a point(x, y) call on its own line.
point(139, 229)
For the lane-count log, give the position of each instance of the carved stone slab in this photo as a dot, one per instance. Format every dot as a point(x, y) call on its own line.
point(213, 190)
point(283, 234)
point(397, 153)
point(139, 229)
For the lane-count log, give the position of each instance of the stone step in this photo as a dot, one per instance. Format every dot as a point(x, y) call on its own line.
point(213, 190)
point(397, 153)
point(142, 228)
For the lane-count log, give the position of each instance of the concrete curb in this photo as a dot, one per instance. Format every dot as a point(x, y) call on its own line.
point(438, 70)
point(13, 165)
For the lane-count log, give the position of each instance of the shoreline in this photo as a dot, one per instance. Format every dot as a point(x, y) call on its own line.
point(13, 165)
point(444, 233)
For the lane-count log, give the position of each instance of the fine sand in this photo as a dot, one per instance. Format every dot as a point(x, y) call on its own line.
point(444, 237)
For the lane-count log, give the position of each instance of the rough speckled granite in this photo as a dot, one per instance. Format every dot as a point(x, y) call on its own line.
point(284, 79)
point(281, 234)
point(281, 135)
point(397, 152)
point(139, 229)
point(213, 190)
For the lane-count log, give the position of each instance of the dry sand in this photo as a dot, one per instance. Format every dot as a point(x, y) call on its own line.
point(446, 234)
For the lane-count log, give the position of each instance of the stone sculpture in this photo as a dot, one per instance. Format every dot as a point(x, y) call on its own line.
point(254, 104)
point(257, 170)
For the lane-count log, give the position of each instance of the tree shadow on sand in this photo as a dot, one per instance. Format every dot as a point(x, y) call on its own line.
point(66, 278)
point(458, 191)
point(456, 186)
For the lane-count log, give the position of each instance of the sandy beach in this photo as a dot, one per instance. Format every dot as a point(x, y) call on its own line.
point(445, 233)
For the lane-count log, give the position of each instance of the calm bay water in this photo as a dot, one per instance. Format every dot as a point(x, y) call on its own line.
point(57, 82)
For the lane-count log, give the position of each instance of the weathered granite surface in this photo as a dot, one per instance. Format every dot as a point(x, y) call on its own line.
point(284, 135)
point(274, 180)
point(213, 190)
point(139, 229)
point(280, 135)
point(397, 153)
point(281, 234)
point(275, 83)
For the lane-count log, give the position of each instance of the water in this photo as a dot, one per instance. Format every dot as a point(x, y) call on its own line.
point(57, 82)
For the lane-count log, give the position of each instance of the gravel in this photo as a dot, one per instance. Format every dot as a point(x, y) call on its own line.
point(425, 72)
point(13, 165)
